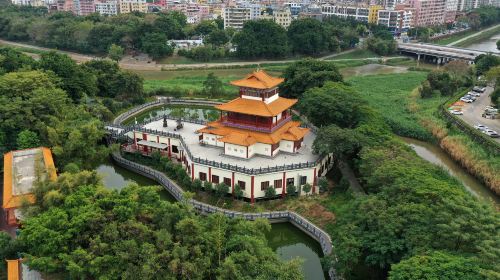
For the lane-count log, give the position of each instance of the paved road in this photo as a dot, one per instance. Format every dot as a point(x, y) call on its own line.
point(472, 35)
point(473, 111)
point(130, 64)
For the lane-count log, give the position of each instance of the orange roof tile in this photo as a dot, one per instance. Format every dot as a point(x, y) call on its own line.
point(289, 131)
point(258, 79)
point(12, 269)
point(14, 201)
point(257, 107)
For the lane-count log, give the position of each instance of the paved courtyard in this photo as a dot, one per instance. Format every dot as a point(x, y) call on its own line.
point(190, 136)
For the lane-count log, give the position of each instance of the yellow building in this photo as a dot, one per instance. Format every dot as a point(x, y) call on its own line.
point(373, 13)
point(128, 6)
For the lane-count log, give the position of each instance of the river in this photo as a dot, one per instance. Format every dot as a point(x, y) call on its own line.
point(284, 238)
point(436, 155)
point(487, 45)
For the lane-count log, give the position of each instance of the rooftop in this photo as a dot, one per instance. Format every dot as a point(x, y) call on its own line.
point(190, 135)
point(258, 79)
point(20, 173)
point(257, 107)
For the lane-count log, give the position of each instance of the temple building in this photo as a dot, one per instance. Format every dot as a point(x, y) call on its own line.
point(21, 171)
point(259, 122)
point(254, 144)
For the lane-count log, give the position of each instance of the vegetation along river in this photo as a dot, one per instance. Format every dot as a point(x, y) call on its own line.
point(287, 240)
point(436, 155)
point(487, 45)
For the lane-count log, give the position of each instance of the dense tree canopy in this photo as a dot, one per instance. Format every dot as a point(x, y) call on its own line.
point(261, 38)
point(308, 73)
point(79, 228)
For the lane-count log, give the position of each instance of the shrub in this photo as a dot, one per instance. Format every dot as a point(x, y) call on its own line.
point(291, 189)
point(221, 189)
point(306, 188)
point(270, 192)
point(197, 184)
point(323, 184)
point(208, 186)
point(238, 192)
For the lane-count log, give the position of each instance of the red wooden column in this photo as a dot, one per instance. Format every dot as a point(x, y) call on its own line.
point(315, 179)
point(157, 139)
point(232, 184)
point(283, 191)
point(135, 141)
point(252, 199)
point(192, 171)
point(210, 174)
point(169, 149)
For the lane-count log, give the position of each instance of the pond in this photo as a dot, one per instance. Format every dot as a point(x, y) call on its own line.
point(371, 69)
point(287, 240)
point(436, 155)
point(202, 113)
point(290, 242)
point(116, 178)
point(487, 45)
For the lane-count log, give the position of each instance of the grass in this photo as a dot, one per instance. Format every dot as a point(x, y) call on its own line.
point(455, 37)
point(479, 37)
point(356, 54)
point(391, 91)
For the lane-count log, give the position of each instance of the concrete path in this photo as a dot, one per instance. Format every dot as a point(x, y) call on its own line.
point(348, 174)
point(472, 35)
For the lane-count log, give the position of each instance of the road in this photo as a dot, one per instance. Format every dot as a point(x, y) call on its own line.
point(473, 111)
point(472, 35)
point(142, 65)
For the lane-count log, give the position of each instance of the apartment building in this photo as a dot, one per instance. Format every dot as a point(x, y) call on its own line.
point(451, 7)
point(282, 17)
point(358, 13)
point(109, 7)
point(373, 13)
point(236, 16)
point(428, 12)
point(398, 21)
point(128, 6)
point(83, 7)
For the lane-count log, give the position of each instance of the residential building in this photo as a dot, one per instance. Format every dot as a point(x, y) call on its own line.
point(83, 7)
point(373, 13)
point(450, 10)
point(398, 21)
point(236, 16)
point(255, 144)
point(428, 12)
point(128, 6)
point(358, 13)
point(282, 17)
point(21, 171)
point(107, 7)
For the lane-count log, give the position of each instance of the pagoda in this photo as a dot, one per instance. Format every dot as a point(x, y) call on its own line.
point(258, 122)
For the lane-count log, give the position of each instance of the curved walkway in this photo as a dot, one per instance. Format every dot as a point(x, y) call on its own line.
point(273, 216)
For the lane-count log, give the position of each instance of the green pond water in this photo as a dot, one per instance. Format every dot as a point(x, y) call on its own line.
point(202, 113)
point(287, 240)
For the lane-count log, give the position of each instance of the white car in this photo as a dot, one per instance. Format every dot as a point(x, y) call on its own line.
point(456, 112)
point(473, 98)
point(476, 94)
point(466, 100)
point(481, 127)
point(491, 133)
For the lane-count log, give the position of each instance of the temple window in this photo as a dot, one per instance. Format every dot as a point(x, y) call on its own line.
point(202, 176)
point(215, 179)
point(264, 185)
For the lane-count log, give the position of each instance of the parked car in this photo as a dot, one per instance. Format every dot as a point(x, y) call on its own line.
point(481, 127)
point(479, 89)
point(473, 93)
point(466, 100)
point(491, 133)
point(456, 112)
point(473, 98)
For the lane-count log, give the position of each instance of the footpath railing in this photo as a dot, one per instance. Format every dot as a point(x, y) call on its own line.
point(278, 216)
point(474, 134)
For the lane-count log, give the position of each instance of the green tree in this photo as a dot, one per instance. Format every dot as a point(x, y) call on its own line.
point(307, 36)
point(306, 188)
point(342, 142)
point(484, 62)
point(291, 189)
point(221, 189)
point(238, 192)
point(261, 38)
point(323, 184)
point(436, 265)
point(75, 80)
point(218, 37)
point(308, 73)
point(270, 192)
point(333, 103)
point(212, 86)
point(197, 185)
point(156, 45)
point(27, 139)
point(116, 52)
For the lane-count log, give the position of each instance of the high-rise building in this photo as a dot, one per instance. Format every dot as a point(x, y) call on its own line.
point(428, 12)
point(83, 7)
point(398, 21)
point(282, 17)
point(108, 7)
point(236, 16)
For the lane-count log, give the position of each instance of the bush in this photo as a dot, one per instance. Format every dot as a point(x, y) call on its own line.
point(221, 189)
point(197, 184)
point(291, 189)
point(270, 192)
point(323, 184)
point(208, 186)
point(238, 192)
point(307, 188)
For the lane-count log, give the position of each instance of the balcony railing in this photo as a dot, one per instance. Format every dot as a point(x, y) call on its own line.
point(256, 127)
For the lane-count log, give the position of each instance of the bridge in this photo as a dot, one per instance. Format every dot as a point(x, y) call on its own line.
point(439, 54)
